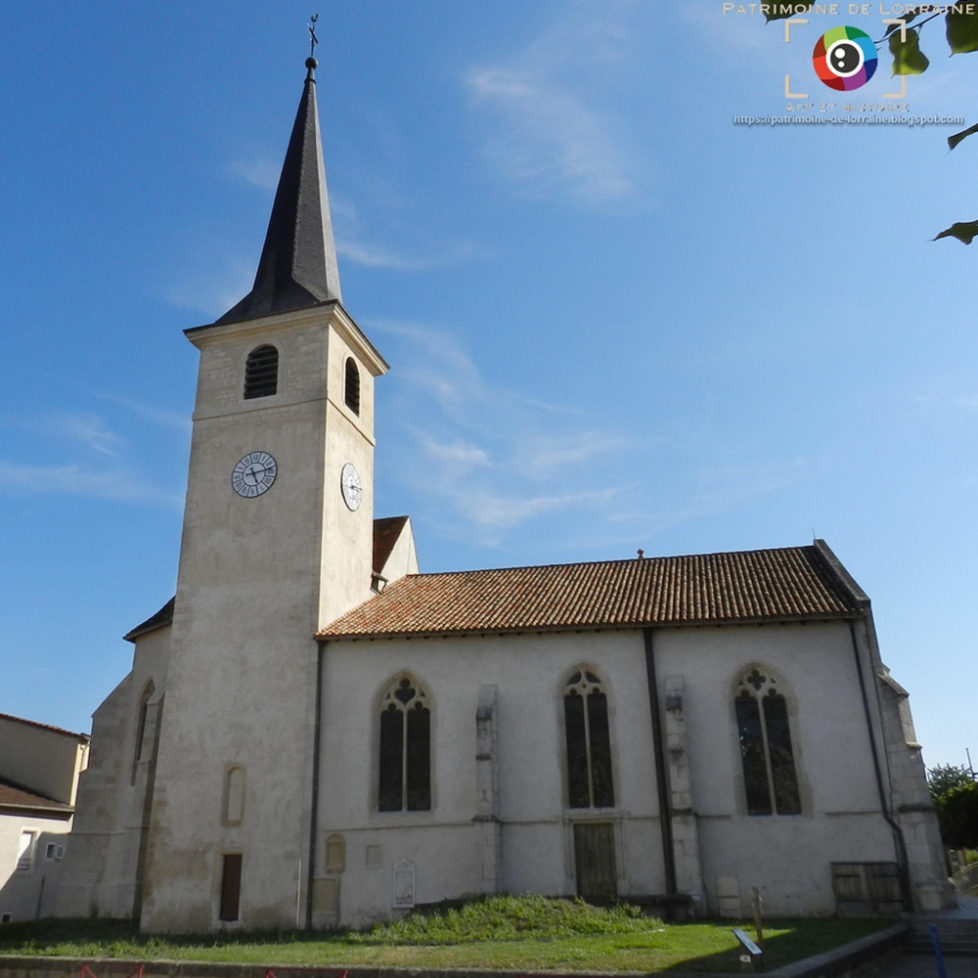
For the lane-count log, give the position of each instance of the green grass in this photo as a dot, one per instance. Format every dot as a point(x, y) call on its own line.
point(519, 933)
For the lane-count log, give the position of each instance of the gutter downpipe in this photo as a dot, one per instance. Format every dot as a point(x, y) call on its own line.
point(899, 843)
point(661, 771)
point(314, 802)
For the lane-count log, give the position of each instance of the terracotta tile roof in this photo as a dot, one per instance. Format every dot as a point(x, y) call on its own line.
point(790, 584)
point(14, 796)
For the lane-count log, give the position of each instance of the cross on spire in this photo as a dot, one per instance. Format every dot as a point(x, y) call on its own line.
point(313, 40)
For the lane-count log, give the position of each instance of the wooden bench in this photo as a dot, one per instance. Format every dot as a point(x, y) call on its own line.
point(752, 957)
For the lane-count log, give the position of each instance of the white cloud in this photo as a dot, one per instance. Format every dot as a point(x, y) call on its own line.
point(115, 483)
point(565, 449)
point(483, 459)
point(556, 139)
point(259, 173)
point(91, 459)
point(458, 454)
point(215, 290)
point(179, 420)
point(87, 429)
point(505, 511)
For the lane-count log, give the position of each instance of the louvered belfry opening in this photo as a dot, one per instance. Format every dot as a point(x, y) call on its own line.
point(261, 372)
point(352, 386)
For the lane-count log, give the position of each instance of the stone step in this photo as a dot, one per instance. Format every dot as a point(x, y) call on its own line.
point(950, 927)
point(961, 938)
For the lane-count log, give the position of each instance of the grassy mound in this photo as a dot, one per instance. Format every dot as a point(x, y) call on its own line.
point(508, 918)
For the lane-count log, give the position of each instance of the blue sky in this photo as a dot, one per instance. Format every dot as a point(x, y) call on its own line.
point(615, 318)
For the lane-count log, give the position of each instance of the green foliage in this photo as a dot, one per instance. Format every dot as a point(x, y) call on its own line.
point(942, 778)
point(508, 918)
point(908, 59)
point(952, 788)
point(958, 813)
point(961, 31)
point(953, 141)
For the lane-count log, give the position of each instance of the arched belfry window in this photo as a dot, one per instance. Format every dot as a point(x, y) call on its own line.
point(589, 781)
point(770, 779)
point(405, 748)
point(351, 386)
point(261, 372)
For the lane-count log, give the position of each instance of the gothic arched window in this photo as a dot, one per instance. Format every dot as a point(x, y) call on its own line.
point(351, 386)
point(405, 748)
point(770, 779)
point(261, 372)
point(589, 782)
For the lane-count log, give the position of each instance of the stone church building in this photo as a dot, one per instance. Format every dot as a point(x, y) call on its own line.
point(313, 733)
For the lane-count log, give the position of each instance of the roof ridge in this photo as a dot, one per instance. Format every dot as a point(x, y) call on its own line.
point(735, 587)
point(616, 560)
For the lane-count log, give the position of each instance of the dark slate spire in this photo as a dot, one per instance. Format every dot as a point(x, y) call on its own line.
point(298, 267)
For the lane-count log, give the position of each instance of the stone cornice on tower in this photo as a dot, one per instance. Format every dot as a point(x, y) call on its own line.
point(298, 267)
point(266, 325)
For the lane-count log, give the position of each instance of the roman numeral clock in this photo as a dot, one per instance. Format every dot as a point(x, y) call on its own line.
point(254, 474)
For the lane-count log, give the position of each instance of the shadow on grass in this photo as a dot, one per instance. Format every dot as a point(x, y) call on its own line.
point(785, 943)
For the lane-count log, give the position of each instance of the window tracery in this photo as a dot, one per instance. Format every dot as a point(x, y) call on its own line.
point(767, 758)
point(589, 778)
point(405, 748)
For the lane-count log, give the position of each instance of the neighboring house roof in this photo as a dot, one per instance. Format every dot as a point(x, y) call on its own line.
point(14, 796)
point(80, 737)
point(789, 584)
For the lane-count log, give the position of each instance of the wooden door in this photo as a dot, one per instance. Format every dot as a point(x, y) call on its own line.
point(594, 858)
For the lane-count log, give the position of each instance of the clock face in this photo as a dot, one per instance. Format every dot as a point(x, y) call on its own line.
point(254, 474)
point(350, 487)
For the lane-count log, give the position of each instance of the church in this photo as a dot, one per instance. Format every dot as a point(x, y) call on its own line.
point(314, 734)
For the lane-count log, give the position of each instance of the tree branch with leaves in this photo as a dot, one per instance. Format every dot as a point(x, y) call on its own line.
point(903, 42)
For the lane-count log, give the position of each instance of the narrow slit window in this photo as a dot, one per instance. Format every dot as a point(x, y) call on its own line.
point(405, 749)
point(261, 372)
point(231, 886)
point(588, 741)
point(351, 386)
point(145, 737)
point(767, 758)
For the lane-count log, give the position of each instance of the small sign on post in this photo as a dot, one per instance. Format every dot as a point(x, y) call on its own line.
point(752, 957)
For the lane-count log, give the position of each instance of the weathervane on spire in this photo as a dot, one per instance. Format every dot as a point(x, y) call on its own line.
point(313, 40)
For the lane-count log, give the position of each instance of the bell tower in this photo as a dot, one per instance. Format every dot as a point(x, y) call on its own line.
point(277, 541)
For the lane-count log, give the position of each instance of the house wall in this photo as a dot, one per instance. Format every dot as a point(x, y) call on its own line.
point(44, 759)
point(28, 892)
point(46, 762)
